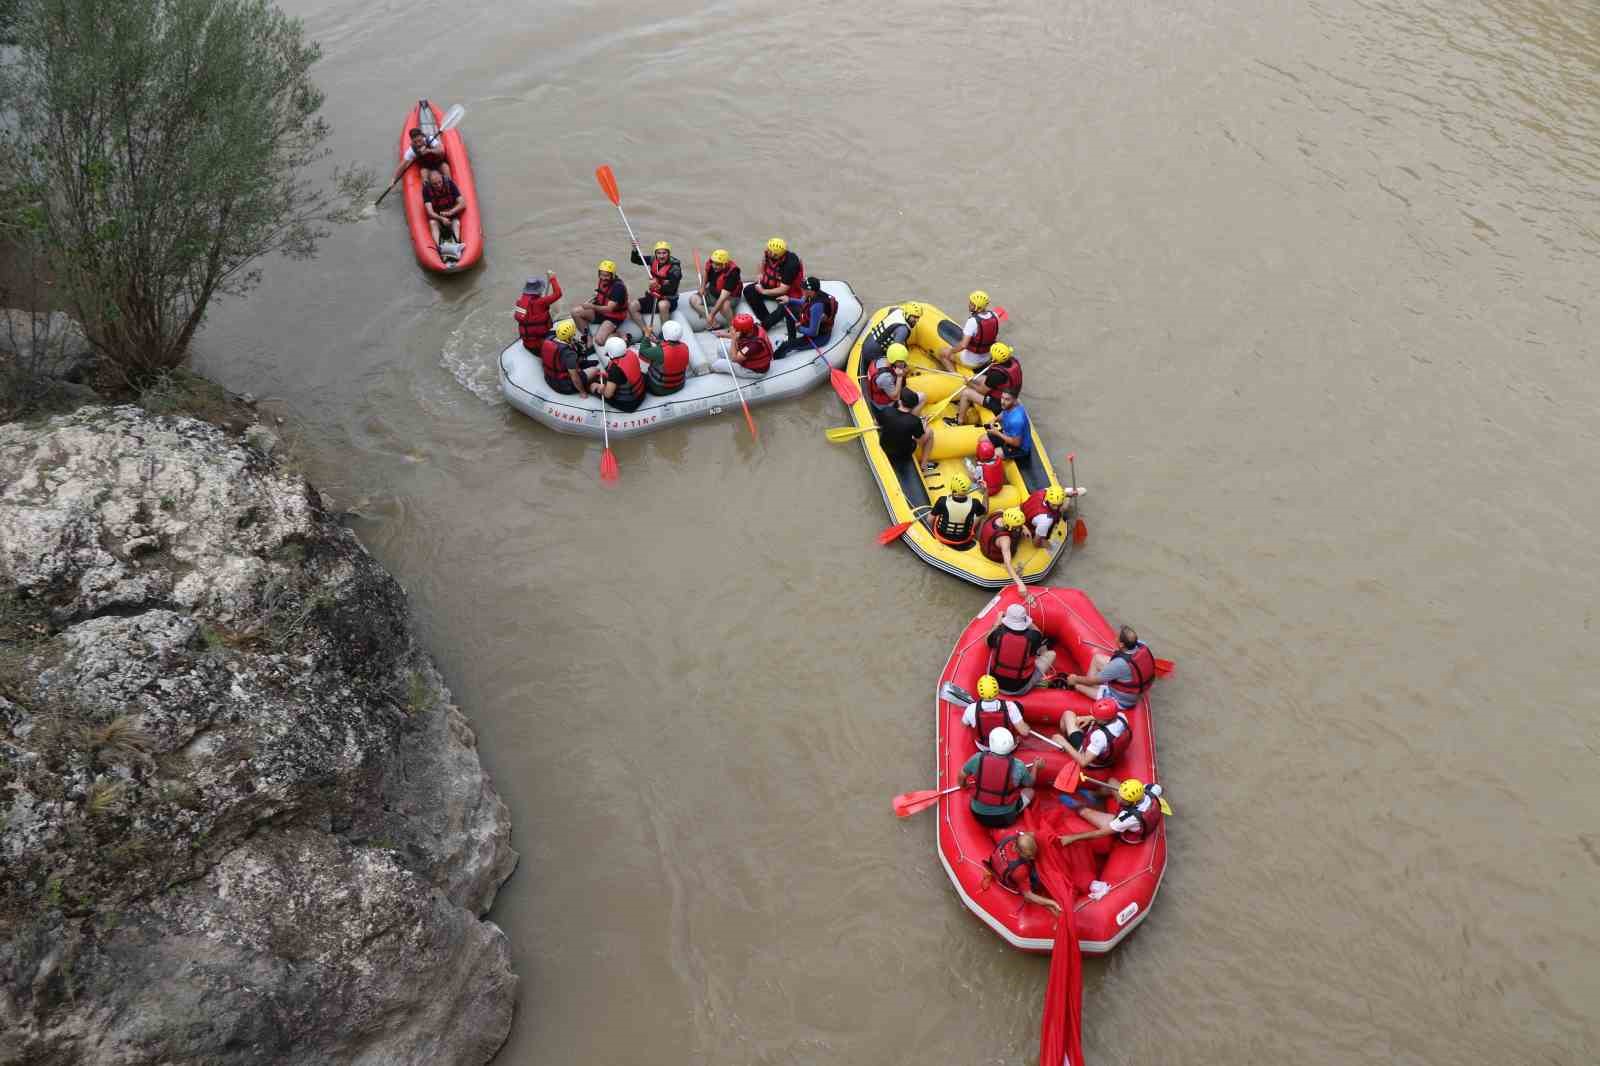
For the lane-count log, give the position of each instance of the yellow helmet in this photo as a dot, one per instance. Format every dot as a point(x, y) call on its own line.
point(607, 267)
point(978, 299)
point(911, 309)
point(777, 246)
point(897, 353)
point(960, 484)
point(566, 329)
point(1000, 351)
point(662, 246)
point(1013, 518)
point(1131, 791)
point(1055, 495)
point(988, 687)
point(720, 256)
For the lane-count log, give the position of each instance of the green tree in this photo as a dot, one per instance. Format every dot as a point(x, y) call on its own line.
point(160, 149)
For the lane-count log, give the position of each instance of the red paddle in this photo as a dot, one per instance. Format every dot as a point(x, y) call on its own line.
point(732, 367)
point(1067, 779)
point(909, 803)
point(1002, 314)
point(895, 532)
point(1080, 532)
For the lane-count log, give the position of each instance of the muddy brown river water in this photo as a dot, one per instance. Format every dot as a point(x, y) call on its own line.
point(1310, 288)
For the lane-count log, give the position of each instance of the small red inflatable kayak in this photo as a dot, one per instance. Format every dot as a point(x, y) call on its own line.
point(424, 117)
point(1132, 871)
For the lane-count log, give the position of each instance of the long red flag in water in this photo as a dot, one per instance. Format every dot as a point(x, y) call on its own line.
point(1066, 873)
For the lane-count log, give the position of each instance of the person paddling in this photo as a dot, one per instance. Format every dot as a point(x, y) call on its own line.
point(1003, 372)
point(810, 320)
point(533, 310)
point(1125, 675)
point(1000, 538)
point(564, 363)
point(723, 287)
point(782, 278)
point(977, 336)
point(750, 349)
point(1001, 782)
point(668, 361)
point(1137, 817)
point(1018, 657)
point(1011, 866)
point(608, 307)
point(666, 273)
point(956, 515)
point(429, 156)
point(989, 712)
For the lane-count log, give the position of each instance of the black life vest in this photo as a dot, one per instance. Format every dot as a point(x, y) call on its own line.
point(1012, 660)
point(988, 332)
point(1142, 665)
point(886, 332)
point(992, 783)
point(1004, 862)
point(443, 197)
point(955, 525)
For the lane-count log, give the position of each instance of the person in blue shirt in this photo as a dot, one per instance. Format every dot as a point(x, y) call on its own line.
point(1011, 432)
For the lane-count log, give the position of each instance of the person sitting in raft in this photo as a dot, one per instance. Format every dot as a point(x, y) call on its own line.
point(444, 205)
point(668, 361)
point(609, 306)
point(1138, 814)
point(1001, 781)
point(621, 382)
point(783, 277)
point(533, 310)
point(1018, 658)
point(722, 288)
point(1124, 675)
point(977, 336)
point(1097, 740)
point(1012, 433)
point(666, 273)
point(749, 346)
point(983, 389)
point(564, 363)
point(886, 377)
point(429, 156)
point(989, 465)
point(1011, 867)
point(902, 434)
point(1000, 538)
point(810, 320)
point(989, 712)
point(893, 328)
point(1043, 509)
point(956, 515)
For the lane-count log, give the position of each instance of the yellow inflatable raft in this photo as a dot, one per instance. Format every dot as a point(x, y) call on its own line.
point(909, 492)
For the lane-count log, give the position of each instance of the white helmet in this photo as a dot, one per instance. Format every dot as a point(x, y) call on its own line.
point(615, 346)
point(1001, 742)
point(673, 331)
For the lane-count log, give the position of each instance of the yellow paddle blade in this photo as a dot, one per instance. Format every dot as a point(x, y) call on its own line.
point(938, 409)
point(1166, 808)
point(839, 434)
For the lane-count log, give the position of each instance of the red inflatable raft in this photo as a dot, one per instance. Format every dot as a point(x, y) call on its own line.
point(424, 117)
point(1133, 871)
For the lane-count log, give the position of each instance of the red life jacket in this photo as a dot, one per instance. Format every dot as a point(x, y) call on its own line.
point(1012, 369)
point(668, 375)
point(878, 396)
point(616, 291)
point(661, 275)
point(550, 351)
point(992, 783)
point(1142, 664)
point(1115, 744)
point(1148, 812)
point(756, 348)
point(994, 474)
point(632, 388)
point(1034, 506)
point(722, 279)
point(771, 275)
point(534, 325)
point(1012, 659)
point(988, 720)
point(1006, 860)
point(430, 155)
point(990, 534)
point(988, 332)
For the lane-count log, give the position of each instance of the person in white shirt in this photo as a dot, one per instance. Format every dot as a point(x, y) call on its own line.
point(977, 336)
point(989, 711)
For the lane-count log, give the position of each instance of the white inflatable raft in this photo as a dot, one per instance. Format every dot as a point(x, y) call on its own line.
point(703, 395)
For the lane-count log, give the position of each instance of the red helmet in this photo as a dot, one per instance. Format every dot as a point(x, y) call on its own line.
point(985, 449)
point(744, 323)
point(1105, 710)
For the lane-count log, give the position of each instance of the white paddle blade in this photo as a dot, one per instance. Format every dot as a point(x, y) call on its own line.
point(452, 118)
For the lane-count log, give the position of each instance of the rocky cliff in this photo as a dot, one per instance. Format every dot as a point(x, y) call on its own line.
point(240, 819)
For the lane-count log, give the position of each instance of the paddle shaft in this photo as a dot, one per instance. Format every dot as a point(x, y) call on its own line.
point(733, 367)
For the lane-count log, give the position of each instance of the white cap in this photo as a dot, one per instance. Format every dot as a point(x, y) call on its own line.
point(615, 346)
point(673, 331)
point(1016, 617)
point(1001, 742)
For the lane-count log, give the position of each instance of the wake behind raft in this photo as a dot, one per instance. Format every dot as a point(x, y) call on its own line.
point(1110, 885)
